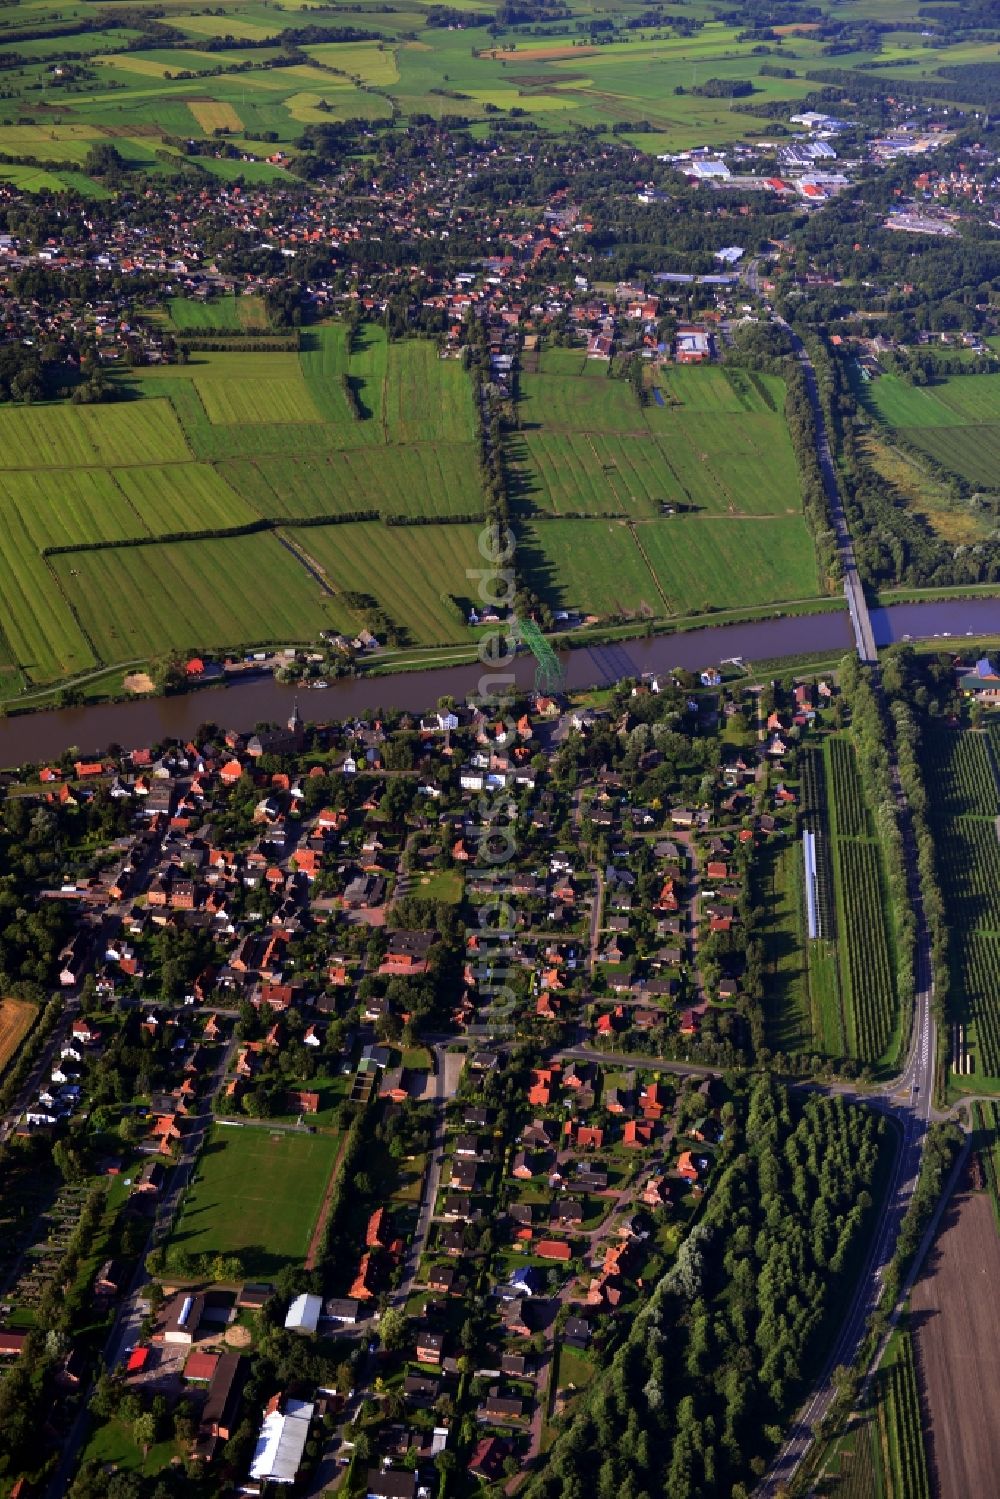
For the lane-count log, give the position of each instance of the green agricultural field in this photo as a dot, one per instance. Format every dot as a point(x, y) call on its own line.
point(709, 441)
point(409, 570)
point(75, 437)
point(716, 449)
point(67, 508)
point(956, 421)
point(574, 473)
point(590, 565)
point(642, 78)
point(723, 563)
point(429, 480)
point(255, 1193)
point(865, 917)
point(786, 988)
point(223, 442)
point(248, 389)
point(44, 637)
point(427, 399)
point(220, 315)
point(183, 497)
point(137, 602)
point(565, 403)
point(959, 763)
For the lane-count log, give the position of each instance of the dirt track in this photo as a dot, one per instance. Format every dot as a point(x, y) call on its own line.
point(956, 1322)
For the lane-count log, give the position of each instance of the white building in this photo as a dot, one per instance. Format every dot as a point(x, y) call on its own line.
point(304, 1313)
point(282, 1441)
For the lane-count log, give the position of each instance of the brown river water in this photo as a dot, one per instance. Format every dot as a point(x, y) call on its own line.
point(248, 701)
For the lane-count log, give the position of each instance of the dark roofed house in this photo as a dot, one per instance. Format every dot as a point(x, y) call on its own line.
point(391, 1483)
point(487, 1459)
point(501, 1408)
point(225, 1393)
point(342, 1309)
point(576, 1332)
point(110, 1278)
point(421, 1389)
point(254, 1295)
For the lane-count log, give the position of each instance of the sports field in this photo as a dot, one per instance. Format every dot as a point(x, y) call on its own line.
point(956, 421)
point(255, 1192)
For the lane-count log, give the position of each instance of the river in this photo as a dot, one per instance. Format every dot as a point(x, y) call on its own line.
point(247, 702)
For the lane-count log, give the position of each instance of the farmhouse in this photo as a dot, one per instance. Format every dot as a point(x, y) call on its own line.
point(982, 682)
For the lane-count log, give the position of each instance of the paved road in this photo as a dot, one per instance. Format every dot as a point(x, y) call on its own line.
point(42, 1068)
point(432, 1182)
point(124, 1332)
point(855, 594)
point(637, 1059)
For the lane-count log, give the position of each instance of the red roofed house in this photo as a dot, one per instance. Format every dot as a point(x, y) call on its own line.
point(546, 1007)
point(553, 1249)
point(201, 1366)
point(361, 1290)
point(303, 1101)
point(687, 1168)
point(652, 1101)
point(374, 1234)
point(668, 900)
point(638, 1134)
point(542, 1080)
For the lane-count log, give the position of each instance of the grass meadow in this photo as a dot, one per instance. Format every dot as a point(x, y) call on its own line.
point(716, 453)
point(409, 568)
point(955, 421)
point(138, 602)
point(255, 1193)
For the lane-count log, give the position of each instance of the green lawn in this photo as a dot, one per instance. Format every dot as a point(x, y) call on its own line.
point(256, 1193)
point(440, 884)
point(575, 1368)
point(786, 992)
point(112, 1443)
